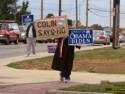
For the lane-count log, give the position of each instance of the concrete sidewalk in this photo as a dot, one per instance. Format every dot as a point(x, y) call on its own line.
point(10, 76)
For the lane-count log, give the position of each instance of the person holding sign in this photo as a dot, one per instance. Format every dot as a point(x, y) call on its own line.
point(30, 37)
point(63, 57)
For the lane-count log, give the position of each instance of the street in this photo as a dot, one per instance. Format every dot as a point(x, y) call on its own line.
point(7, 51)
point(12, 50)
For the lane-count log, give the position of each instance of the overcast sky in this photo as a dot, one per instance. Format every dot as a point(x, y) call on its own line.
point(98, 14)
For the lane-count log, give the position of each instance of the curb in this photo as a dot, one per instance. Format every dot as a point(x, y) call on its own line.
point(72, 92)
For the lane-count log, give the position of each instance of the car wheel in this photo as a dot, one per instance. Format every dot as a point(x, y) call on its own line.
point(24, 41)
point(105, 43)
point(108, 43)
point(17, 41)
point(7, 42)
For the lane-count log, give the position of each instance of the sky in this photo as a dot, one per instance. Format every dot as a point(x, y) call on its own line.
point(98, 13)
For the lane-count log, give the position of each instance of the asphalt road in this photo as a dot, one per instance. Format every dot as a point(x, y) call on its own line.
point(12, 50)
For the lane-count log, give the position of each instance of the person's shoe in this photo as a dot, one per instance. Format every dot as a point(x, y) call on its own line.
point(67, 80)
point(62, 79)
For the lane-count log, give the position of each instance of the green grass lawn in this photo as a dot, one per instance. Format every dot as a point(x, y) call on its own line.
point(104, 60)
point(104, 87)
point(102, 53)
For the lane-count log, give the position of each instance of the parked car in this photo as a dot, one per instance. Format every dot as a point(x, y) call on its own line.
point(121, 38)
point(23, 33)
point(9, 32)
point(110, 33)
point(101, 37)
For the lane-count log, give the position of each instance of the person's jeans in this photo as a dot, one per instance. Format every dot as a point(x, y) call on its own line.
point(31, 43)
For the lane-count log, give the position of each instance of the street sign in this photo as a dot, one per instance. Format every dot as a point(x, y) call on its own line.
point(80, 37)
point(26, 19)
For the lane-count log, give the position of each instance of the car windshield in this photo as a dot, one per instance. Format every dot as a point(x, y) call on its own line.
point(13, 26)
point(22, 28)
point(3, 27)
point(97, 33)
point(109, 32)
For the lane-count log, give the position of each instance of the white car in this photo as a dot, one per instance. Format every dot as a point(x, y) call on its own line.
point(101, 37)
point(121, 38)
point(23, 33)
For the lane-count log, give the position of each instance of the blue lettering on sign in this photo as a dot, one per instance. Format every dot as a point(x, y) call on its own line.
point(80, 36)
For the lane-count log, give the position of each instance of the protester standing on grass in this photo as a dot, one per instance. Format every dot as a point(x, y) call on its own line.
point(30, 38)
point(63, 57)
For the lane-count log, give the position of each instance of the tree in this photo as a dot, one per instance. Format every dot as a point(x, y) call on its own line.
point(22, 11)
point(83, 27)
point(96, 27)
point(8, 10)
point(79, 23)
point(49, 15)
point(70, 22)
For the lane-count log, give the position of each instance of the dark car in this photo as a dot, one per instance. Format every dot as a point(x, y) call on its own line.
point(9, 32)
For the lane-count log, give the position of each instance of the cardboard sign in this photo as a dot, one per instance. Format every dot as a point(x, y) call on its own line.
point(51, 28)
point(80, 37)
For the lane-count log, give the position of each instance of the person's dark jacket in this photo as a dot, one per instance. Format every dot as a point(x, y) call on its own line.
point(33, 30)
point(66, 61)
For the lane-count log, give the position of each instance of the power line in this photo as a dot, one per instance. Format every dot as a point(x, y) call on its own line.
point(97, 14)
point(101, 10)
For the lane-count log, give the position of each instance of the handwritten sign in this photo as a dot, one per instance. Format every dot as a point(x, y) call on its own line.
point(80, 36)
point(51, 28)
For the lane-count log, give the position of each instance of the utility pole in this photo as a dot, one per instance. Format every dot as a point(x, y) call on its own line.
point(41, 9)
point(76, 13)
point(87, 9)
point(116, 21)
point(60, 7)
point(79, 12)
point(110, 13)
point(15, 10)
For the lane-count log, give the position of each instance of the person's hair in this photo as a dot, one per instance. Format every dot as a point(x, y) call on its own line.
point(69, 21)
point(32, 23)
